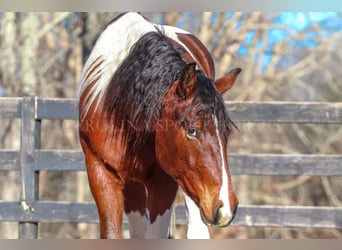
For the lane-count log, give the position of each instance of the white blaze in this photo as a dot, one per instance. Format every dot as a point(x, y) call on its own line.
point(224, 191)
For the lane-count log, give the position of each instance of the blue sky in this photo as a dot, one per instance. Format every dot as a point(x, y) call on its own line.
point(329, 22)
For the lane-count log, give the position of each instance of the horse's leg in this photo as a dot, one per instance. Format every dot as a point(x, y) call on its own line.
point(196, 228)
point(135, 209)
point(107, 192)
point(161, 191)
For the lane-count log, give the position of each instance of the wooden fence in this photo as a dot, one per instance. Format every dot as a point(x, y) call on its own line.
point(30, 159)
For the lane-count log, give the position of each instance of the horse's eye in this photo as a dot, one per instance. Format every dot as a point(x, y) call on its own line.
point(193, 132)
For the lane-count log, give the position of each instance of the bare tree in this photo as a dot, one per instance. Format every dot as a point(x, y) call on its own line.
point(9, 128)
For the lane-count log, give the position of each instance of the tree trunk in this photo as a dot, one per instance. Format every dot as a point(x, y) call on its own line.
point(29, 30)
point(9, 128)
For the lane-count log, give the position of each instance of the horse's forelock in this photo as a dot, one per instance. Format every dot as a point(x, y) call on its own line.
point(209, 102)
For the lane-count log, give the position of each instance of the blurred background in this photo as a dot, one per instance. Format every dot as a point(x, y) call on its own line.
point(284, 57)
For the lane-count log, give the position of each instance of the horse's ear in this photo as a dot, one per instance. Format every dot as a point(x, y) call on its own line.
point(225, 83)
point(187, 81)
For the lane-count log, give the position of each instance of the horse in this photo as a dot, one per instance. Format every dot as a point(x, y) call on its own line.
point(152, 119)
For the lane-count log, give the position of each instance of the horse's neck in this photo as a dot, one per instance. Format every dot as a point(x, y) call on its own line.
point(195, 48)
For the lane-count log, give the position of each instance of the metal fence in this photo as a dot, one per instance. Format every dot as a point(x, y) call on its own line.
point(29, 211)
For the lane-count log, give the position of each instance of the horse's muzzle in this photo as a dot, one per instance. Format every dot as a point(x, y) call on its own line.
point(221, 218)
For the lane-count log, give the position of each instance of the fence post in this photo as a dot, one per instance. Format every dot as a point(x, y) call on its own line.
point(30, 140)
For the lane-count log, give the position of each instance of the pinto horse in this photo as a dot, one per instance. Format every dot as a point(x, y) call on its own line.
point(152, 118)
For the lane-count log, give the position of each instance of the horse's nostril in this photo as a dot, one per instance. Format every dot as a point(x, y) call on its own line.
point(217, 215)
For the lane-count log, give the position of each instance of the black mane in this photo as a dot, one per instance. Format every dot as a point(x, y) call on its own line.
point(133, 99)
point(135, 94)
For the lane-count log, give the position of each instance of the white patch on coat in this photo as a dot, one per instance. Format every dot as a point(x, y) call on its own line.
point(171, 32)
point(140, 227)
point(196, 228)
point(159, 229)
point(112, 47)
point(137, 225)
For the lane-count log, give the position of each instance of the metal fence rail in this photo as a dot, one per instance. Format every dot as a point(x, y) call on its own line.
point(30, 160)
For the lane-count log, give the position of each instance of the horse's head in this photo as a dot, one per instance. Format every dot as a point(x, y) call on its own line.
point(191, 142)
